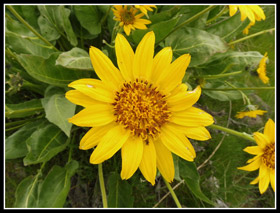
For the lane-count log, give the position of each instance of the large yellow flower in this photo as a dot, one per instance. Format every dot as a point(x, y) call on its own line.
point(142, 108)
point(265, 157)
point(262, 69)
point(144, 8)
point(128, 18)
point(253, 12)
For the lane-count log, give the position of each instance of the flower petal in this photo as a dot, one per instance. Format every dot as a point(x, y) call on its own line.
point(125, 56)
point(261, 139)
point(127, 29)
point(255, 181)
point(263, 183)
point(269, 130)
point(109, 144)
point(197, 133)
point(143, 59)
point(78, 98)
point(96, 115)
point(164, 161)
point(232, 9)
point(272, 179)
point(104, 68)
point(94, 135)
point(132, 152)
point(192, 117)
point(148, 164)
point(252, 166)
point(254, 150)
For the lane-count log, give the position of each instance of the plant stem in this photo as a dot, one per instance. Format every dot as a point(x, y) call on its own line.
point(105, 16)
point(239, 88)
point(224, 10)
point(102, 186)
point(233, 132)
point(191, 19)
point(14, 12)
point(172, 194)
point(250, 36)
point(220, 75)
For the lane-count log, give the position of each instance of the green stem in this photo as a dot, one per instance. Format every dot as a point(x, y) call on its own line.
point(105, 16)
point(233, 132)
point(14, 12)
point(250, 36)
point(220, 75)
point(191, 19)
point(224, 10)
point(102, 186)
point(240, 88)
point(178, 204)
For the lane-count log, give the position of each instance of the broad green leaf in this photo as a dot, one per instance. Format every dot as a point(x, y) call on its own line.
point(161, 29)
point(89, 17)
point(23, 109)
point(58, 17)
point(27, 192)
point(15, 144)
point(200, 44)
point(45, 143)
point(176, 167)
point(58, 109)
point(164, 15)
point(223, 95)
point(46, 71)
point(75, 59)
point(55, 187)
point(120, 192)
point(228, 28)
point(48, 30)
point(188, 172)
point(21, 40)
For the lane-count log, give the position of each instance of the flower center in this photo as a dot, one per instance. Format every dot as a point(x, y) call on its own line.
point(141, 108)
point(268, 157)
point(127, 17)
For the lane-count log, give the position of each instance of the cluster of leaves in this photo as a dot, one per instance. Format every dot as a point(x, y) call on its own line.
point(47, 48)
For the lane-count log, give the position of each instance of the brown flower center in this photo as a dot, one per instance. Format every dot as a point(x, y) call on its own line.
point(268, 157)
point(141, 108)
point(127, 17)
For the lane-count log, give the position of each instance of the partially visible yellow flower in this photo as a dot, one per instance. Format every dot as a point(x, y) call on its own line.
point(144, 8)
point(246, 30)
point(251, 114)
point(265, 157)
point(262, 69)
point(141, 108)
point(253, 12)
point(128, 18)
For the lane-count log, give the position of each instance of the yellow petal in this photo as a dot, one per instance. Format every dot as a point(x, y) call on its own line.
point(143, 59)
point(161, 61)
point(246, 12)
point(183, 100)
point(261, 139)
point(79, 98)
point(94, 135)
point(105, 69)
point(148, 163)
point(255, 181)
point(125, 57)
point(272, 179)
point(258, 11)
point(109, 144)
point(174, 74)
point(132, 152)
point(263, 183)
point(127, 29)
point(252, 166)
point(254, 150)
point(192, 117)
point(174, 141)
point(96, 115)
point(269, 130)
point(197, 133)
point(232, 9)
point(164, 161)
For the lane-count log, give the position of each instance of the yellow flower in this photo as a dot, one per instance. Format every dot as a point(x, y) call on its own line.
point(251, 114)
point(262, 69)
point(246, 30)
point(265, 157)
point(253, 12)
point(142, 108)
point(144, 8)
point(128, 18)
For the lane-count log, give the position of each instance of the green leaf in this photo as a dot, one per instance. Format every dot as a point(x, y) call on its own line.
point(58, 109)
point(55, 187)
point(229, 28)
point(45, 143)
point(48, 30)
point(24, 109)
point(75, 59)
point(58, 17)
point(15, 144)
point(200, 44)
point(89, 17)
point(46, 71)
point(21, 40)
point(188, 172)
point(120, 192)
